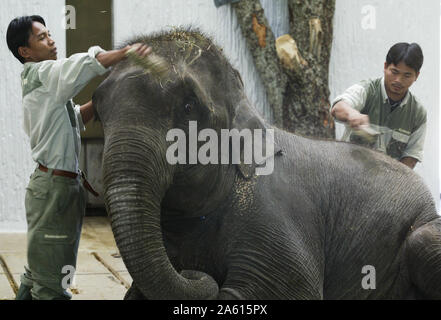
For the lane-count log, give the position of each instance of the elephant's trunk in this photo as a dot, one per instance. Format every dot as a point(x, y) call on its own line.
point(136, 177)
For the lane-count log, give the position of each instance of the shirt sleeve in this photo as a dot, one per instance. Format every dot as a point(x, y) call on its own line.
point(415, 145)
point(81, 125)
point(355, 96)
point(65, 78)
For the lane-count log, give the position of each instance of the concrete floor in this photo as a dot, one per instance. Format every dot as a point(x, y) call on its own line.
point(100, 275)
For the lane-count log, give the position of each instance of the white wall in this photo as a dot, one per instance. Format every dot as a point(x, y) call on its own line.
point(16, 164)
point(359, 53)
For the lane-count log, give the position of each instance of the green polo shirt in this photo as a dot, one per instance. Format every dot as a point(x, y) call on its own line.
point(402, 131)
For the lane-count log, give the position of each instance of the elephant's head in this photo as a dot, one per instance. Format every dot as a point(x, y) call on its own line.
point(137, 112)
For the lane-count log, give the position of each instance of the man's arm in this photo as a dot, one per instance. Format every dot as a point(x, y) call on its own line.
point(66, 77)
point(87, 112)
point(347, 106)
point(110, 58)
point(343, 112)
point(414, 149)
point(410, 162)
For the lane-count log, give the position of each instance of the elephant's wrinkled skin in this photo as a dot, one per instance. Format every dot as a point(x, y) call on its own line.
point(304, 232)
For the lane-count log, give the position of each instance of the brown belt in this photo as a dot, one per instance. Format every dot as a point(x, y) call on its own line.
point(71, 175)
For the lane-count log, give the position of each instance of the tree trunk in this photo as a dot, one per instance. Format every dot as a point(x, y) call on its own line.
point(299, 96)
point(261, 42)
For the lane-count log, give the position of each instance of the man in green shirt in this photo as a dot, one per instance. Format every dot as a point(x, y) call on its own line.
point(55, 198)
point(386, 105)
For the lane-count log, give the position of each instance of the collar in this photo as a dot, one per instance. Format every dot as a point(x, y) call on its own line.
point(386, 98)
point(26, 67)
point(29, 78)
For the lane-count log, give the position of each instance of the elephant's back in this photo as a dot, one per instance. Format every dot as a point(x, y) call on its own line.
point(339, 171)
point(369, 204)
point(377, 184)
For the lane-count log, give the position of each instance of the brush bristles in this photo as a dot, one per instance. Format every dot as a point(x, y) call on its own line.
point(152, 63)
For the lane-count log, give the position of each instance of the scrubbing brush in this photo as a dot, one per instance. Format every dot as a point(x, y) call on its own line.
point(152, 63)
point(366, 134)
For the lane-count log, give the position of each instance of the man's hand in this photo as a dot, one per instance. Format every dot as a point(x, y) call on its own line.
point(140, 49)
point(345, 113)
point(111, 58)
point(357, 120)
point(410, 162)
point(86, 111)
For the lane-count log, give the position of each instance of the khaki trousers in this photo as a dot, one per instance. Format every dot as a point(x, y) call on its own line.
point(55, 207)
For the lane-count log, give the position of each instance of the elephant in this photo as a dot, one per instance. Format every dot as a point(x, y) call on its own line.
point(333, 220)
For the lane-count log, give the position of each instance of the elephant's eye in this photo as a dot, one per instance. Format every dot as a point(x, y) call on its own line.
point(188, 108)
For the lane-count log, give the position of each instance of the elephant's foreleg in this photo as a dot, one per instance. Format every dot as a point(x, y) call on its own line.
point(134, 293)
point(229, 294)
point(424, 259)
point(276, 273)
point(256, 285)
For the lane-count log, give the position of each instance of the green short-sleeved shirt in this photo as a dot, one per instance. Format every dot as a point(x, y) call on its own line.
point(402, 130)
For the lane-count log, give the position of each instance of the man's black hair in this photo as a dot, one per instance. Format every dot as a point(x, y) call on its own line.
point(411, 54)
point(19, 31)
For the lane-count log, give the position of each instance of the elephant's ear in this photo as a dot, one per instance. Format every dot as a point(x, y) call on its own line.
point(246, 118)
